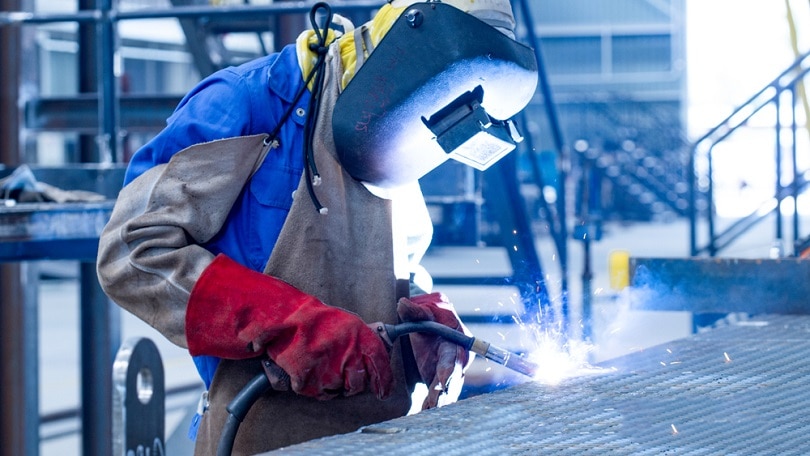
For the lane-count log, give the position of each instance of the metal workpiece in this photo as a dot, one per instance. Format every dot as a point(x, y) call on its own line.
point(52, 231)
point(60, 231)
point(739, 389)
point(139, 399)
point(700, 285)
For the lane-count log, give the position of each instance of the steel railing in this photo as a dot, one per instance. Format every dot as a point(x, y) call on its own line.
point(702, 166)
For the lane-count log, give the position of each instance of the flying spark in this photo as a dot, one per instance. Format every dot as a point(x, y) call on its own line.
point(559, 358)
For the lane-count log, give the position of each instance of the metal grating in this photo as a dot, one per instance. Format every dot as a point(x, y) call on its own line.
point(743, 389)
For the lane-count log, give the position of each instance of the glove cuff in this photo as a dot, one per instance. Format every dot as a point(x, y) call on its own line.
point(234, 311)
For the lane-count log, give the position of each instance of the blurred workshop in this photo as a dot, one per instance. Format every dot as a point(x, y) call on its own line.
point(634, 273)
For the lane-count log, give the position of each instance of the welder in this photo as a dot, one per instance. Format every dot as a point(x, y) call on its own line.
point(279, 213)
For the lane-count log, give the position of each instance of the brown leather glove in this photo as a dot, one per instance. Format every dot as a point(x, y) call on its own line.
point(237, 313)
point(441, 363)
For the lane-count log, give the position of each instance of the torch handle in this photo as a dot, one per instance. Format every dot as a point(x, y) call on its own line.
point(499, 355)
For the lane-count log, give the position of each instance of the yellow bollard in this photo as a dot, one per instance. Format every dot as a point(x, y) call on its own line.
point(619, 269)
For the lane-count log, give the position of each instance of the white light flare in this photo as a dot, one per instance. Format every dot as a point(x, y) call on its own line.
point(558, 359)
point(555, 364)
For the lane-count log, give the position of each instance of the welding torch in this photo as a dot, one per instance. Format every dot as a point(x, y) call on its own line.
point(244, 399)
point(504, 357)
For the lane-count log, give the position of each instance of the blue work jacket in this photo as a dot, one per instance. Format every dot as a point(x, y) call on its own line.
point(240, 101)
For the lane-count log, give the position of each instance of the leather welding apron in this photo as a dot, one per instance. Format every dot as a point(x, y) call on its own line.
point(345, 258)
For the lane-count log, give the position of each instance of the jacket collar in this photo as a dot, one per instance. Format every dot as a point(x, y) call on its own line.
point(284, 76)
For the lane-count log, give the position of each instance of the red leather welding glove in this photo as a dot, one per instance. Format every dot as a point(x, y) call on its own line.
point(441, 363)
point(237, 313)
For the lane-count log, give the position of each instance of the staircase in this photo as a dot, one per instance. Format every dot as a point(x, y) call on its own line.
point(635, 156)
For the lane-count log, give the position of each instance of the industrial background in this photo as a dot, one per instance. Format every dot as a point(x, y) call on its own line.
point(667, 139)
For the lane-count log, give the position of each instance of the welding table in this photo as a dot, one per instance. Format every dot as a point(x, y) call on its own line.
point(31, 232)
point(740, 389)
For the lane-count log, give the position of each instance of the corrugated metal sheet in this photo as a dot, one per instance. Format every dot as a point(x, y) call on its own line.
point(737, 390)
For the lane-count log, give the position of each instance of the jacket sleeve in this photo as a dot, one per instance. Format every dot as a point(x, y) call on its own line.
point(149, 252)
point(216, 108)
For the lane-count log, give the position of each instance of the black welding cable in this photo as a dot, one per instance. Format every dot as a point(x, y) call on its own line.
point(430, 327)
point(238, 409)
point(247, 396)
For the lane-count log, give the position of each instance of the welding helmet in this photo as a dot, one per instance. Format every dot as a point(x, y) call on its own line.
point(441, 84)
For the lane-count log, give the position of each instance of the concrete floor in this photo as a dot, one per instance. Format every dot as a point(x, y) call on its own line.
point(616, 330)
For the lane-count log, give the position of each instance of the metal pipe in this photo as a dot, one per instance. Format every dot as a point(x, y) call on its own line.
point(24, 17)
point(710, 202)
point(235, 12)
point(108, 101)
point(778, 191)
point(19, 420)
point(794, 185)
point(559, 144)
point(693, 209)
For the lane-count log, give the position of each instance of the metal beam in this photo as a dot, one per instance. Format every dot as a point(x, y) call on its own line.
point(19, 418)
point(720, 285)
point(80, 113)
point(197, 42)
point(10, 60)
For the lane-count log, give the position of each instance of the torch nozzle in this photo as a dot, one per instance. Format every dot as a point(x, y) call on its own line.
point(499, 355)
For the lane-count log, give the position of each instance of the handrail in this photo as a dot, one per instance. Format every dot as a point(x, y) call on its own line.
point(743, 224)
point(719, 128)
point(703, 147)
